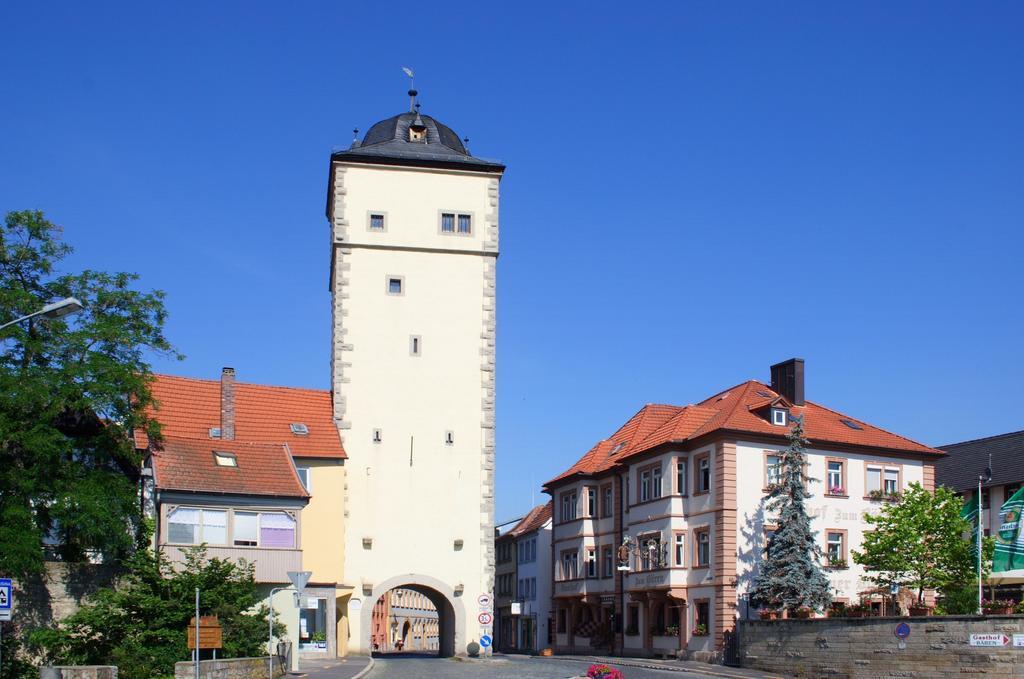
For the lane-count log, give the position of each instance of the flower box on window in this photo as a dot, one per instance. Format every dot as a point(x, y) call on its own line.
point(837, 490)
point(837, 564)
point(700, 630)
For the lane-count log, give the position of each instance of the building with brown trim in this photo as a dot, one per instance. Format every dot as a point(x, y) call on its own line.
point(685, 487)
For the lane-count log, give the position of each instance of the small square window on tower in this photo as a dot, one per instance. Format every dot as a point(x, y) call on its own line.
point(378, 221)
point(376, 436)
point(395, 285)
point(465, 224)
point(415, 345)
point(447, 222)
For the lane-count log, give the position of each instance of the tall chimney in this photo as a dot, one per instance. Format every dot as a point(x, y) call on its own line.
point(788, 380)
point(227, 404)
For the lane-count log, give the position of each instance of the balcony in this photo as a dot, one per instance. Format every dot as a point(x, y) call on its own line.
point(272, 565)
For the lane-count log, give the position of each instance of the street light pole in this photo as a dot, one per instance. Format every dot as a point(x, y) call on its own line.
point(65, 307)
point(985, 477)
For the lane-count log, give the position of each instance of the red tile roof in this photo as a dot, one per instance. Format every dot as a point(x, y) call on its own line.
point(740, 409)
point(189, 465)
point(536, 518)
point(189, 408)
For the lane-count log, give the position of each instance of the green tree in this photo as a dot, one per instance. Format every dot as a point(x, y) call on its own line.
point(141, 625)
point(918, 542)
point(790, 576)
point(71, 392)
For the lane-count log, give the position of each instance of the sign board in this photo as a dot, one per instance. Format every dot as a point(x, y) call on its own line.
point(6, 598)
point(517, 608)
point(299, 579)
point(485, 618)
point(902, 630)
point(485, 641)
point(485, 601)
point(989, 640)
point(1018, 640)
point(210, 634)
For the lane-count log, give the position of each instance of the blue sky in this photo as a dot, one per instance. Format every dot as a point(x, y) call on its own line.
point(694, 191)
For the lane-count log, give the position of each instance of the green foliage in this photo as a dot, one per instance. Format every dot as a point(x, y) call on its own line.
point(141, 625)
point(790, 577)
point(918, 542)
point(15, 664)
point(72, 390)
point(958, 600)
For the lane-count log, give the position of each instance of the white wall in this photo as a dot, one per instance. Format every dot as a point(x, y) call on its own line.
point(412, 495)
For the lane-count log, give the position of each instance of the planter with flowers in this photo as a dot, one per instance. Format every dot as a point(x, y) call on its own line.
point(603, 672)
point(700, 630)
point(837, 490)
point(882, 495)
point(1019, 608)
point(672, 631)
point(769, 615)
point(998, 606)
point(860, 610)
point(837, 564)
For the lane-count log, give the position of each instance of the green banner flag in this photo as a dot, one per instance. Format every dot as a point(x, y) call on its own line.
point(970, 512)
point(1009, 554)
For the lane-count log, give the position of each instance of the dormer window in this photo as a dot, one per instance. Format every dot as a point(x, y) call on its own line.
point(417, 130)
point(780, 417)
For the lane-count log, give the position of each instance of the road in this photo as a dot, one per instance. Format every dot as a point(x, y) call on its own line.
point(506, 667)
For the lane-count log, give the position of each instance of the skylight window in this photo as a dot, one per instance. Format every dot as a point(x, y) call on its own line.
point(225, 459)
point(851, 424)
point(214, 432)
point(299, 429)
point(763, 394)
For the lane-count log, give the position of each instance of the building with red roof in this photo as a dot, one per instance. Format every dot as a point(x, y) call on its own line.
point(684, 486)
point(248, 470)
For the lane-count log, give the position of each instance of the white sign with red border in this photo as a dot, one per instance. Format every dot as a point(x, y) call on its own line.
point(485, 618)
point(989, 640)
point(485, 601)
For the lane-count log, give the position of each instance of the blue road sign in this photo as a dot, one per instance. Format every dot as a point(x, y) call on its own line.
point(485, 641)
point(5, 598)
point(902, 630)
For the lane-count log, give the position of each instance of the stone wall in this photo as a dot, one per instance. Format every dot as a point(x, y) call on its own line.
point(78, 672)
point(58, 592)
point(869, 647)
point(234, 668)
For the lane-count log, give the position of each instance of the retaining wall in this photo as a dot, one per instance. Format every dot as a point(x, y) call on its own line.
point(868, 647)
point(78, 672)
point(232, 668)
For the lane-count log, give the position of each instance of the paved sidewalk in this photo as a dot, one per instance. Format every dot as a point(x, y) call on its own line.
point(687, 666)
point(352, 667)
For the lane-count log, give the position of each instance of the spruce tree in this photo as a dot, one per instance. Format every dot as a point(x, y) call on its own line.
point(790, 576)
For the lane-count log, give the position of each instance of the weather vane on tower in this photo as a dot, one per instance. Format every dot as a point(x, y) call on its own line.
point(412, 88)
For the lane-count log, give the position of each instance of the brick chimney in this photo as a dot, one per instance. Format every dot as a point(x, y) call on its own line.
point(788, 380)
point(227, 404)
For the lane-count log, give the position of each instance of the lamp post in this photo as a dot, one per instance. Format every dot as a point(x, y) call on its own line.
point(64, 307)
point(984, 477)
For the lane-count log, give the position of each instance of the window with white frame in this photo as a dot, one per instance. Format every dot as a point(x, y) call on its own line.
point(656, 482)
point(247, 529)
point(645, 485)
point(773, 470)
point(835, 482)
point(607, 556)
point(606, 501)
point(303, 473)
point(591, 495)
point(465, 224)
point(680, 549)
point(569, 506)
point(874, 480)
point(835, 548)
point(704, 474)
point(591, 560)
point(376, 221)
point(892, 481)
point(681, 480)
point(703, 547)
point(570, 565)
point(779, 417)
point(447, 222)
point(193, 526)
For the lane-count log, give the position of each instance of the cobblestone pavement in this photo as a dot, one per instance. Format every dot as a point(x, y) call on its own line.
point(505, 667)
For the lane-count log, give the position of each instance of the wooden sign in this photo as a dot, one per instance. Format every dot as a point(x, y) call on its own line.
point(210, 635)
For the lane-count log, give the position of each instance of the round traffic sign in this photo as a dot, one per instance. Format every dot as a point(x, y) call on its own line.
point(484, 600)
point(485, 641)
point(485, 618)
point(902, 630)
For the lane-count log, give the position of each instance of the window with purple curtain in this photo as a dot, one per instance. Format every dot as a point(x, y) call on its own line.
point(277, 530)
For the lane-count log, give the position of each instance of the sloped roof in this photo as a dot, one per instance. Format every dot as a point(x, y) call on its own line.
point(189, 408)
point(964, 461)
point(536, 518)
point(262, 468)
point(738, 409)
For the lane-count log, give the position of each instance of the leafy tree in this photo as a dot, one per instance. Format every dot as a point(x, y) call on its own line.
point(141, 625)
point(68, 469)
point(918, 542)
point(790, 576)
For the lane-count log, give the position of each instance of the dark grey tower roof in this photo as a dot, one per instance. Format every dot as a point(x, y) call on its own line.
point(388, 142)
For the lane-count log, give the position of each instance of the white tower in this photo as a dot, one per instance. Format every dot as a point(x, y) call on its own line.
point(414, 222)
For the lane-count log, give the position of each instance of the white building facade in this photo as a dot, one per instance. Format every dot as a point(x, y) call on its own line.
point(414, 225)
point(686, 487)
point(533, 581)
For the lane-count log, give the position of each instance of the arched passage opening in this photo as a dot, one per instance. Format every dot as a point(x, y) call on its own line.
point(411, 616)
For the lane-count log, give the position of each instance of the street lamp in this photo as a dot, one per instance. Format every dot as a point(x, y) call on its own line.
point(64, 307)
point(984, 477)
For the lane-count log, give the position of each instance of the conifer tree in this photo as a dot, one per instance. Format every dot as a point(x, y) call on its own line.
point(790, 576)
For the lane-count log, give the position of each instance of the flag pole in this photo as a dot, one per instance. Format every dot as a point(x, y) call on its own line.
point(979, 545)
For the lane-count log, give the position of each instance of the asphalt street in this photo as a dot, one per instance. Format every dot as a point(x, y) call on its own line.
point(507, 667)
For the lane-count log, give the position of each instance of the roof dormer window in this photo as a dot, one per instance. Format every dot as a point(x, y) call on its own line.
point(417, 130)
point(780, 417)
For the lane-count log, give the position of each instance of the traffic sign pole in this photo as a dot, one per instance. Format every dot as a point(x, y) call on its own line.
point(6, 600)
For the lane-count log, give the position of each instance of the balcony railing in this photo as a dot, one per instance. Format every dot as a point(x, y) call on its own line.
point(272, 565)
